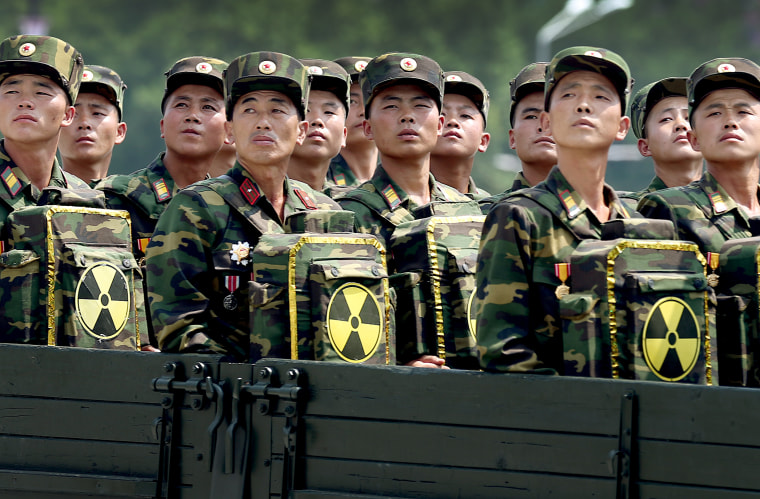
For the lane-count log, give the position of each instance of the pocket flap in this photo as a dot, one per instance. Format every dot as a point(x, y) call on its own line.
point(463, 260)
point(649, 282)
point(575, 306)
point(17, 258)
point(348, 269)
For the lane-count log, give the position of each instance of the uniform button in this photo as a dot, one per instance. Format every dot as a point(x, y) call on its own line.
point(127, 263)
point(334, 272)
point(375, 271)
point(82, 260)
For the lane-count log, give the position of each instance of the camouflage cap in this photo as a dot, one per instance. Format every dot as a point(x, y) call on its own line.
point(43, 55)
point(331, 77)
point(530, 79)
point(267, 71)
point(353, 66)
point(195, 70)
point(728, 72)
point(106, 82)
point(459, 82)
point(646, 98)
point(597, 60)
point(397, 69)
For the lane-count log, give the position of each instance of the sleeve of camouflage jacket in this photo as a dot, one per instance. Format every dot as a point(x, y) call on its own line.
point(504, 301)
point(178, 264)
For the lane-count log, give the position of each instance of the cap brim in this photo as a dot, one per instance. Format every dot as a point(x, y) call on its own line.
point(609, 70)
point(429, 88)
point(9, 68)
point(242, 86)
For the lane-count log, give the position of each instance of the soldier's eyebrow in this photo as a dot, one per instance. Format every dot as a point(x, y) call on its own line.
point(531, 110)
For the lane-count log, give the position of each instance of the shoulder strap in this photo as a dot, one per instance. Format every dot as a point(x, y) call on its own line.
point(243, 200)
point(375, 202)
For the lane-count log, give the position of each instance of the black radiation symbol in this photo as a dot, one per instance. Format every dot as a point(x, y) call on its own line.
point(102, 300)
point(471, 319)
point(354, 322)
point(671, 339)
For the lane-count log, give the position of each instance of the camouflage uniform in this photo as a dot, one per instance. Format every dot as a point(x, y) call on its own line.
point(192, 262)
point(488, 202)
point(198, 260)
point(702, 212)
point(518, 324)
point(525, 235)
point(62, 63)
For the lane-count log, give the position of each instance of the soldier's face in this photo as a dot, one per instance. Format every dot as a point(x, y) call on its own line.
point(266, 128)
point(193, 123)
point(404, 122)
point(94, 131)
point(33, 109)
point(355, 120)
point(326, 134)
point(726, 126)
point(463, 133)
point(533, 144)
point(585, 113)
point(667, 128)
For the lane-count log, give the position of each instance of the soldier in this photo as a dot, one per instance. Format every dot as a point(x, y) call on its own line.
point(326, 114)
point(532, 143)
point(402, 104)
point(358, 159)
point(39, 82)
point(724, 112)
point(198, 259)
point(660, 121)
point(528, 236)
point(465, 112)
point(86, 147)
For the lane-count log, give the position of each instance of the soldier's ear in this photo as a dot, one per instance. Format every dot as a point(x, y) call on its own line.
point(161, 124)
point(643, 146)
point(303, 128)
point(121, 133)
point(485, 139)
point(441, 121)
point(68, 116)
point(625, 125)
point(512, 140)
point(368, 130)
point(230, 136)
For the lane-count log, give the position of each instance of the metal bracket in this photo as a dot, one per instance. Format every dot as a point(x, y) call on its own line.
point(620, 461)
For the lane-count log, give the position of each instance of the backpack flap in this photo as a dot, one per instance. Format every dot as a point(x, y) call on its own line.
point(320, 222)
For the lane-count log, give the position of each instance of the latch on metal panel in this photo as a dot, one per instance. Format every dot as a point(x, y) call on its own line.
point(620, 460)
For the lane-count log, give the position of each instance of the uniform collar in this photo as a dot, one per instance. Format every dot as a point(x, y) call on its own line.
point(573, 204)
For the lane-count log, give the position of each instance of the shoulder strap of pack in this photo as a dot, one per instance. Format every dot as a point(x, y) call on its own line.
point(377, 204)
point(243, 200)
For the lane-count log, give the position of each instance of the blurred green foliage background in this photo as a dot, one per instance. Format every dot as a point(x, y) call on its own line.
point(492, 39)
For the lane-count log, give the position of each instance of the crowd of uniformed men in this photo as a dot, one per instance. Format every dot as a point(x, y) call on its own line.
point(381, 137)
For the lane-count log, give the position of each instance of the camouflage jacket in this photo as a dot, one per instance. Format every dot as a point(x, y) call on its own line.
point(145, 194)
point(17, 191)
point(655, 185)
point(488, 202)
point(198, 263)
point(340, 173)
point(518, 325)
point(379, 204)
point(702, 212)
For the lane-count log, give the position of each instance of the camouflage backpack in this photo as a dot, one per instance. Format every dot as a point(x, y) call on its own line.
point(68, 274)
point(638, 306)
point(435, 259)
point(736, 271)
point(318, 291)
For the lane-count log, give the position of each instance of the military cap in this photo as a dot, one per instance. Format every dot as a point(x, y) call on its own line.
point(267, 71)
point(530, 79)
point(105, 82)
point(331, 77)
point(597, 60)
point(646, 98)
point(729, 72)
point(195, 70)
point(43, 55)
point(398, 69)
point(461, 83)
point(353, 66)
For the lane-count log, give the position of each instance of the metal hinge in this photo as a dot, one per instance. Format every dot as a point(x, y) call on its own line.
point(621, 460)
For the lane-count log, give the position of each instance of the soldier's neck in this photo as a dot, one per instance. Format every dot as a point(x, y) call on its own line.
point(186, 170)
point(411, 175)
point(452, 171)
point(311, 172)
point(361, 161)
point(87, 171)
point(681, 173)
point(740, 181)
point(35, 160)
point(584, 171)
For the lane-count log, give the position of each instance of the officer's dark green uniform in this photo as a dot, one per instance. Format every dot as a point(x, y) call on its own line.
point(525, 235)
point(63, 64)
point(702, 211)
point(198, 261)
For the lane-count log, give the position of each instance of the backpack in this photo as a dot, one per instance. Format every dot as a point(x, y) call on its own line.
point(67, 275)
point(321, 292)
point(638, 306)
